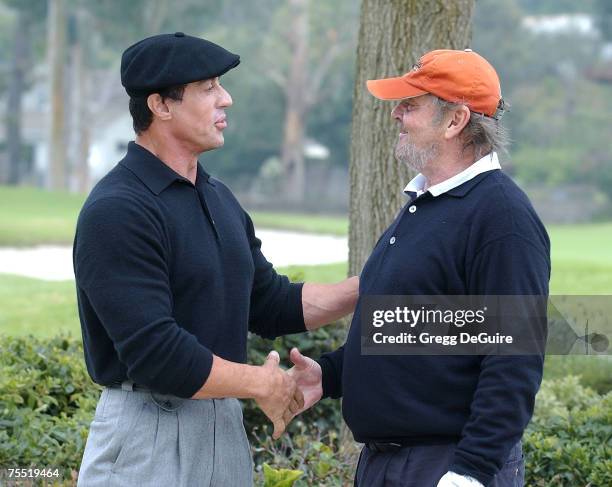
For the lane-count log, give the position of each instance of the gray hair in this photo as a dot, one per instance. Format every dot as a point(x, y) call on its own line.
point(485, 134)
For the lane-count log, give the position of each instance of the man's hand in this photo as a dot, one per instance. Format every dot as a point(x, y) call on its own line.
point(279, 398)
point(308, 377)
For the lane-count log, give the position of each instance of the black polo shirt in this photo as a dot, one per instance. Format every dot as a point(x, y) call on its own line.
point(169, 273)
point(482, 237)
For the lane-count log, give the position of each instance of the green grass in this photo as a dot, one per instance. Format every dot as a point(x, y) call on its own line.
point(42, 308)
point(45, 308)
point(30, 216)
point(332, 225)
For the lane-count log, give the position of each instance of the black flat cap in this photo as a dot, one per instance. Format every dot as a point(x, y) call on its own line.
point(172, 59)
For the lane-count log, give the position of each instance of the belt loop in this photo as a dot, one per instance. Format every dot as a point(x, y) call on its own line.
point(127, 385)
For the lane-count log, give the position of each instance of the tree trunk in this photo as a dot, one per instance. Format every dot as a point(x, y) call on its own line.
point(392, 37)
point(57, 48)
point(79, 146)
point(13, 169)
point(292, 152)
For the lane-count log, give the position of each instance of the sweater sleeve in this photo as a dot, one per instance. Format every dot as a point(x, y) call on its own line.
point(331, 370)
point(276, 304)
point(120, 264)
point(504, 398)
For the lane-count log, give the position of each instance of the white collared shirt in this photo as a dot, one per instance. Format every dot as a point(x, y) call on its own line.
point(486, 163)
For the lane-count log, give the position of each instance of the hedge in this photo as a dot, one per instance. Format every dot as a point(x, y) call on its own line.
point(47, 401)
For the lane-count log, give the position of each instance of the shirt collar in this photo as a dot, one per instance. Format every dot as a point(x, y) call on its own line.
point(152, 171)
point(452, 185)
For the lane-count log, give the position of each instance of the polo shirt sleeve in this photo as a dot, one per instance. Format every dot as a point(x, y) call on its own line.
point(276, 304)
point(504, 399)
point(121, 265)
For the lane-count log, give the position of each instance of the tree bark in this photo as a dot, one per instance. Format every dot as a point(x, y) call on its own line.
point(57, 52)
point(292, 151)
point(12, 171)
point(392, 37)
point(79, 146)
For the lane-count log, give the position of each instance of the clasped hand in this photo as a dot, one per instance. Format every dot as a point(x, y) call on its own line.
point(289, 393)
point(280, 399)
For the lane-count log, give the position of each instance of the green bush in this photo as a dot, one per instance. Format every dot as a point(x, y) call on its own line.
point(320, 458)
point(568, 442)
point(595, 371)
point(47, 401)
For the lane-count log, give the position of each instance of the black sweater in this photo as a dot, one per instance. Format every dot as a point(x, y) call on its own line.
point(480, 238)
point(169, 273)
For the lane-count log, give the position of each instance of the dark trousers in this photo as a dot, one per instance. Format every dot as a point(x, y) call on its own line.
point(423, 466)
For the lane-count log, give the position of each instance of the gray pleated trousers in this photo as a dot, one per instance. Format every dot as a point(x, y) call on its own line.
point(147, 439)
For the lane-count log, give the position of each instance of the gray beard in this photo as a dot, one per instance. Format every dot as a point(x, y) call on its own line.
point(415, 158)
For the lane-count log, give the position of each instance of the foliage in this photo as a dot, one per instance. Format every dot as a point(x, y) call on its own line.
point(594, 372)
point(568, 442)
point(318, 457)
point(47, 401)
point(279, 477)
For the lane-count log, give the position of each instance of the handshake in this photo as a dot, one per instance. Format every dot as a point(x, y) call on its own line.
point(285, 394)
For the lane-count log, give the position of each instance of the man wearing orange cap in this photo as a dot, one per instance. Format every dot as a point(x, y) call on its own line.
point(467, 229)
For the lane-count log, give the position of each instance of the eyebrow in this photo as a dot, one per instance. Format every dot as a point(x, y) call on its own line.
point(410, 102)
point(215, 79)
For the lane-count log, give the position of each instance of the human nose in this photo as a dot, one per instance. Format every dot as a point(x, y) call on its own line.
point(397, 113)
point(226, 98)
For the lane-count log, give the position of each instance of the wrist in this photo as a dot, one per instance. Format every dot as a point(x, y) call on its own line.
point(255, 382)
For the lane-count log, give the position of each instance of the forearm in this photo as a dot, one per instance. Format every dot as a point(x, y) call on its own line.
point(324, 303)
point(231, 379)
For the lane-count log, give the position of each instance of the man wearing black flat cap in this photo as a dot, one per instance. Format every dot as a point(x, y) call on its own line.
point(170, 277)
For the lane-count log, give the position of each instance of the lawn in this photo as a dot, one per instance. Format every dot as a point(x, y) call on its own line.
point(30, 216)
point(45, 308)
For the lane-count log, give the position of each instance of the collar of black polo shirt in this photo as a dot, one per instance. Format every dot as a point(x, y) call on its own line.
point(153, 172)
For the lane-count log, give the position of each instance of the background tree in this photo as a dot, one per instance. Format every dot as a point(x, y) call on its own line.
point(56, 58)
point(392, 37)
point(27, 29)
point(301, 89)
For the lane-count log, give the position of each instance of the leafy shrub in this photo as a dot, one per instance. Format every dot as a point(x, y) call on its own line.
point(595, 371)
point(47, 401)
point(47, 398)
point(321, 459)
point(568, 442)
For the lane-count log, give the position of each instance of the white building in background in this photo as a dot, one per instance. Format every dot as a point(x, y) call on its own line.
point(583, 24)
point(110, 127)
point(110, 144)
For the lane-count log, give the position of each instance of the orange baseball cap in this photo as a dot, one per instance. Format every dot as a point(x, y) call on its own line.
point(454, 76)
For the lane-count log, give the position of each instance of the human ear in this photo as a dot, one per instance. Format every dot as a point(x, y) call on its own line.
point(457, 121)
point(158, 107)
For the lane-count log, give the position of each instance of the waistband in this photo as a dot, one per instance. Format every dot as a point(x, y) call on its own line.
point(398, 444)
point(128, 385)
